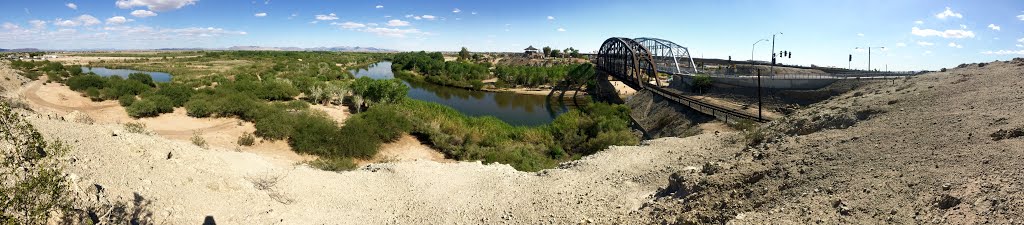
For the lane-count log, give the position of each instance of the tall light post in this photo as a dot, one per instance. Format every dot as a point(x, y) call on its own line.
point(869, 54)
point(771, 70)
point(752, 49)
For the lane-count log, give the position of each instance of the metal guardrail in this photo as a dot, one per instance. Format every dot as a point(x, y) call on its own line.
point(835, 76)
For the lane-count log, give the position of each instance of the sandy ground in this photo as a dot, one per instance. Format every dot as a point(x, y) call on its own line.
point(186, 183)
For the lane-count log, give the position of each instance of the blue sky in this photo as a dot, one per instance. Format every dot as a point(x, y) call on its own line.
point(918, 34)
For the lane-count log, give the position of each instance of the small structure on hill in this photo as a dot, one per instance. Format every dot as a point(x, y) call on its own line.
point(531, 52)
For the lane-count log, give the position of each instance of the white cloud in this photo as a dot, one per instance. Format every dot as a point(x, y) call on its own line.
point(918, 22)
point(397, 23)
point(1020, 45)
point(1021, 17)
point(994, 27)
point(955, 45)
point(963, 26)
point(1004, 52)
point(202, 32)
point(10, 26)
point(349, 25)
point(331, 16)
point(262, 14)
point(88, 20)
point(143, 13)
point(561, 29)
point(37, 24)
point(83, 20)
point(372, 24)
point(925, 43)
point(409, 15)
point(474, 13)
point(456, 10)
point(155, 5)
point(948, 13)
point(901, 44)
point(72, 6)
point(393, 32)
point(65, 23)
point(118, 20)
point(379, 6)
point(927, 53)
point(860, 34)
point(944, 34)
point(551, 18)
point(1020, 40)
point(429, 17)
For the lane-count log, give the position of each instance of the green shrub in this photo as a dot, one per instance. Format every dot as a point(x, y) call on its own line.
point(93, 94)
point(199, 107)
point(247, 139)
point(701, 83)
point(126, 100)
point(143, 78)
point(275, 125)
point(315, 133)
point(81, 83)
point(277, 90)
point(178, 93)
point(150, 106)
point(34, 186)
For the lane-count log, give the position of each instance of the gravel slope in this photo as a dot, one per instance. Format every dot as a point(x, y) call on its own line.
point(942, 147)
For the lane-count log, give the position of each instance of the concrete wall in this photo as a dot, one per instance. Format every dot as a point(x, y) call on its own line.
point(782, 84)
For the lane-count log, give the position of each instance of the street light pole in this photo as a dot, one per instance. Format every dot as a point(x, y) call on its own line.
point(752, 49)
point(869, 55)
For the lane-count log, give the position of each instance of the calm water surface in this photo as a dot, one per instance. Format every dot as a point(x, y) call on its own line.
point(157, 76)
point(515, 109)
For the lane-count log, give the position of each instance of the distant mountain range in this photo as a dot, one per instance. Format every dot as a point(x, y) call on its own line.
point(329, 49)
point(19, 50)
point(236, 48)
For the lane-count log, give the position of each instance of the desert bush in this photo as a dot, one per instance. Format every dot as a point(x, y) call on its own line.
point(143, 78)
point(701, 83)
point(178, 93)
point(315, 133)
point(84, 82)
point(93, 94)
point(247, 139)
point(150, 106)
point(126, 100)
point(199, 107)
point(198, 140)
point(135, 127)
point(380, 91)
point(277, 90)
point(276, 125)
point(333, 164)
point(34, 185)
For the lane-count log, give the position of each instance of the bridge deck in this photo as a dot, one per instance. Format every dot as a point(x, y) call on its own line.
point(720, 112)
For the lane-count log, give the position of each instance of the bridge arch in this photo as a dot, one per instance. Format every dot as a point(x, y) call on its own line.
point(668, 56)
point(628, 61)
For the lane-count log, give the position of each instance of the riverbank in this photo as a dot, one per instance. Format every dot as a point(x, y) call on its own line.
point(56, 100)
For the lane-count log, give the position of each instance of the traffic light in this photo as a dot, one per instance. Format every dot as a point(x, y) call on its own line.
point(851, 58)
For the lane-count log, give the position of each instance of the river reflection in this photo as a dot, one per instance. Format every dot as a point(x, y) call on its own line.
point(515, 109)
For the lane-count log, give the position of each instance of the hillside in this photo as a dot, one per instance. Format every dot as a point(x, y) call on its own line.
point(942, 147)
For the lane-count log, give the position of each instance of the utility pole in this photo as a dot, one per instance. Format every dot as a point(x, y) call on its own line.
point(772, 67)
point(759, 94)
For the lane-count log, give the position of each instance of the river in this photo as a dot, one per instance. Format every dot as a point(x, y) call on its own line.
point(515, 109)
point(123, 73)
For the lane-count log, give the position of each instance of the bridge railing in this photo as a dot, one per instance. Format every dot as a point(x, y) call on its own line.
point(790, 76)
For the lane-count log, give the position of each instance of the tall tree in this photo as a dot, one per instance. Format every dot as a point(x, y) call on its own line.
point(555, 53)
point(464, 54)
point(547, 51)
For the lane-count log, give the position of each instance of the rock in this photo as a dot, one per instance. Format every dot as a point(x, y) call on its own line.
point(946, 201)
point(946, 186)
point(841, 207)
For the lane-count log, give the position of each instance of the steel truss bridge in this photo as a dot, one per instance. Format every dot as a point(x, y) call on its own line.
point(637, 63)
